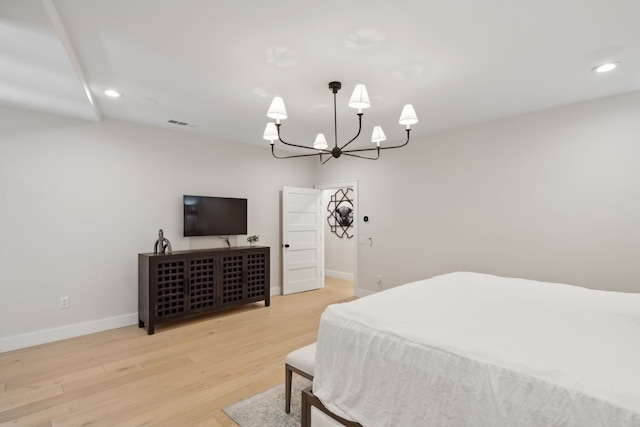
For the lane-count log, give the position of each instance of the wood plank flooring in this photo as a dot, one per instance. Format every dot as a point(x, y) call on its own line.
point(182, 375)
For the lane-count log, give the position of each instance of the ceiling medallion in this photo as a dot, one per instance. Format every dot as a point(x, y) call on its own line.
point(359, 100)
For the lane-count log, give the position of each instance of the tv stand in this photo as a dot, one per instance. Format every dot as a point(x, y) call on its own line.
point(193, 283)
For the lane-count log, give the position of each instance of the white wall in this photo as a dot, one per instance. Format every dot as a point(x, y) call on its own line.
point(79, 200)
point(338, 252)
point(553, 195)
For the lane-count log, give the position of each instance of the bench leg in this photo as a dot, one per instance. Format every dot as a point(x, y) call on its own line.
point(288, 374)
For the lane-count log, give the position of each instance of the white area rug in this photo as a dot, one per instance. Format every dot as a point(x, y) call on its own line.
point(266, 409)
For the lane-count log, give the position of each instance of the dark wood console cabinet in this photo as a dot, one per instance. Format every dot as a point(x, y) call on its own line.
point(191, 283)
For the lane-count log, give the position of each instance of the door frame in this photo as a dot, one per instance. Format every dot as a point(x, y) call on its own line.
point(353, 184)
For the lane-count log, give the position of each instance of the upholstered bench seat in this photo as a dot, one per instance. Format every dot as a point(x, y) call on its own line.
point(302, 362)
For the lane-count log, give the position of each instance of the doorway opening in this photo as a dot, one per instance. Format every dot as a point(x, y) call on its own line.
point(340, 233)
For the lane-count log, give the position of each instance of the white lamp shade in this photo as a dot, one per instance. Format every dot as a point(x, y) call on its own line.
point(408, 116)
point(271, 132)
point(378, 135)
point(359, 98)
point(320, 143)
point(277, 110)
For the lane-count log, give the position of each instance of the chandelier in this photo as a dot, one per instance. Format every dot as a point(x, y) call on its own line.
point(359, 100)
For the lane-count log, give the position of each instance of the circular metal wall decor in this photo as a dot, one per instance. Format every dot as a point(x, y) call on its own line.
point(340, 210)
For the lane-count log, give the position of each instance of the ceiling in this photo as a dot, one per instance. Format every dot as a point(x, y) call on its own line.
point(216, 65)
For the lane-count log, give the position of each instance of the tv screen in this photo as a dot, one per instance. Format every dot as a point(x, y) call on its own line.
point(214, 216)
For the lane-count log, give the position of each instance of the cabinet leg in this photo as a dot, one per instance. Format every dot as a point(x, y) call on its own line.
point(140, 324)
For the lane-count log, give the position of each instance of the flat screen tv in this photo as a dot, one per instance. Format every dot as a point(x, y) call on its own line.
point(214, 216)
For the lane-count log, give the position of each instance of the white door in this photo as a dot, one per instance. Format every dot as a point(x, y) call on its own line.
point(301, 239)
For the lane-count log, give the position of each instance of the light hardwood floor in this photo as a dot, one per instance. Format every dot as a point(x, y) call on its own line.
point(182, 375)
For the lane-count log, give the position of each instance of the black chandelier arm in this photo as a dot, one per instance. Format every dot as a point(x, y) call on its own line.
point(398, 146)
point(322, 162)
point(335, 118)
point(357, 135)
point(380, 148)
point(317, 150)
point(359, 150)
point(350, 153)
point(302, 146)
point(325, 161)
point(363, 150)
point(273, 152)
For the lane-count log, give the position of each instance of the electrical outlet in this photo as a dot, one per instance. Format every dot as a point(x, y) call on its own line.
point(379, 282)
point(64, 302)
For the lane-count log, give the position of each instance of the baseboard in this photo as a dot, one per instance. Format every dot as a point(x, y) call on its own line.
point(71, 331)
point(339, 274)
point(64, 332)
point(364, 292)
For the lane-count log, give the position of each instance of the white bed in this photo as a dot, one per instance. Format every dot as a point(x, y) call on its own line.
point(469, 349)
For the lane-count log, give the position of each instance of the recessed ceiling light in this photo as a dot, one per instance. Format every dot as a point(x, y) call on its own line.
point(112, 93)
point(605, 67)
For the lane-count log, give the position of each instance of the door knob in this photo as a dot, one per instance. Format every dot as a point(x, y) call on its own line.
point(286, 245)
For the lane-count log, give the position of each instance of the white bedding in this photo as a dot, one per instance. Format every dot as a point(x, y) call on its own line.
point(469, 349)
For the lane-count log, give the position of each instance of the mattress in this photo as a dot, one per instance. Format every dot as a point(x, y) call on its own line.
point(469, 349)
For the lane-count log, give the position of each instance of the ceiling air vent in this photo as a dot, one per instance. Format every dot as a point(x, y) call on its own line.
point(177, 122)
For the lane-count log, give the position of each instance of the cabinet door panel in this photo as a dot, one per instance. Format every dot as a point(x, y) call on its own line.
point(202, 290)
point(231, 289)
point(257, 276)
point(170, 293)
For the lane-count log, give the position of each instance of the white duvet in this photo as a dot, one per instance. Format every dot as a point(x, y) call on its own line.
point(469, 349)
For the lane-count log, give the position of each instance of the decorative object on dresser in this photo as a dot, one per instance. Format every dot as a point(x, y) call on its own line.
point(253, 239)
point(162, 244)
point(196, 282)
